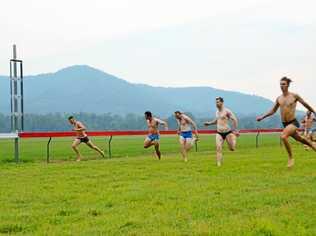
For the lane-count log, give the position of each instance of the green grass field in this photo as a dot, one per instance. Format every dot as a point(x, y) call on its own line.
point(133, 193)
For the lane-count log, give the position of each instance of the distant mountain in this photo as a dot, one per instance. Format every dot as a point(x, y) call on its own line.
point(82, 88)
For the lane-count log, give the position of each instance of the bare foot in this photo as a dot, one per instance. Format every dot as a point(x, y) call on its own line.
point(290, 163)
point(219, 163)
point(78, 159)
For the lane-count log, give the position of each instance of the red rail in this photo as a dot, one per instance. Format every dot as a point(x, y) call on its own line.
point(110, 134)
point(127, 133)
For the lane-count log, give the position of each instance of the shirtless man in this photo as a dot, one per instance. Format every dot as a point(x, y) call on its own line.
point(185, 125)
point(224, 131)
point(307, 122)
point(81, 137)
point(153, 132)
point(287, 103)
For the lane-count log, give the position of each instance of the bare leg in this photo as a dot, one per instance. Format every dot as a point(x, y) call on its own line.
point(188, 144)
point(287, 132)
point(158, 153)
point(231, 141)
point(94, 147)
point(219, 149)
point(305, 134)
point(304, 140)
point(148, 143)
point(74, 146)
point(183, 149)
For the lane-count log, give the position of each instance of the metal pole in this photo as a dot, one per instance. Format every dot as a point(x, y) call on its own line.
point(257, 139)
point(22, 99)
point(110, 152)
point(16, 150)
point(11, 96)
point(15, 91)
point(48, 149)
point(15, 105)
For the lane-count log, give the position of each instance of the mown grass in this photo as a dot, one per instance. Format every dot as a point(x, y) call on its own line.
point(253, 193)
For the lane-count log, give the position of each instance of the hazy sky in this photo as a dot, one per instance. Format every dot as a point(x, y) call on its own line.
point(236, 45)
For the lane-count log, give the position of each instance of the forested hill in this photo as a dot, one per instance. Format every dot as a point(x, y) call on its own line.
point(86, 89)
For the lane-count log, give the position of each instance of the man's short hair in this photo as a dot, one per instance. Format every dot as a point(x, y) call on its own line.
point(220, 99)
point(287, 80)
point(148, 113)
point(70, 117)
point(178, 112)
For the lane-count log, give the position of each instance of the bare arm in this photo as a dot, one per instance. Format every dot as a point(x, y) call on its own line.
point(80, 127)
point(179, 128)
point(271, 112)
point(212, 122)
point(164, 123)
point(305, 104)
point(234, 119)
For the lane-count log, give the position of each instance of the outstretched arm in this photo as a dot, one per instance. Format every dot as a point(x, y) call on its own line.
point(212, 122)
point(271, 112)
point(305, 104)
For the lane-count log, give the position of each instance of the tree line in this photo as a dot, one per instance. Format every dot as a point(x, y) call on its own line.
point(108, 121)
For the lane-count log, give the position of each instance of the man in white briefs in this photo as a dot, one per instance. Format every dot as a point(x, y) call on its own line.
point(224, 131)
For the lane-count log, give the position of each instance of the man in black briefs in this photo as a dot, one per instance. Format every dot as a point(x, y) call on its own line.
point(287, 103)
point(224, 132)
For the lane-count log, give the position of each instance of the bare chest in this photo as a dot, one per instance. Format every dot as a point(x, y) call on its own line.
point(151, 123)
point(222, 115)
point(287, 102)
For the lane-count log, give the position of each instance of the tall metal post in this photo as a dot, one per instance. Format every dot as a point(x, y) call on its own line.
point(16, 91)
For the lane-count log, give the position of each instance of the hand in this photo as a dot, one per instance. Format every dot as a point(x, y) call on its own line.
point(206, 123)
point(260, 118)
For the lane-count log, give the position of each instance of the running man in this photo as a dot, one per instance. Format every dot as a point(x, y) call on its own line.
point(308, 121)
point(287, 103)
point(185, 125)
point(81, 137)
point(224, 131)
point(152, 138)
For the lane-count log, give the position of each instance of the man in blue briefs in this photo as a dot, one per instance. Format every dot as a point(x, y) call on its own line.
point(152, 138)
point(186, 139)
